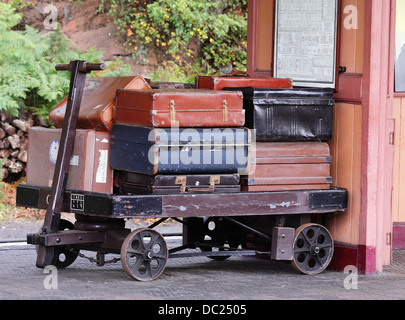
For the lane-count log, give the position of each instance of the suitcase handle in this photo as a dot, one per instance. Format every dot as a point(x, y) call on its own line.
point(234, 73)
point(238, 73)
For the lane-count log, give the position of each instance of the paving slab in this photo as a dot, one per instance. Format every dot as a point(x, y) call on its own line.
point(188, 279)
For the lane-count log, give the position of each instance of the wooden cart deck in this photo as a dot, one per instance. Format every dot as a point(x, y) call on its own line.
point(189, 205)
point(219, 216)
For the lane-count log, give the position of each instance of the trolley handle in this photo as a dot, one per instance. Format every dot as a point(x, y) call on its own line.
point(87, 67)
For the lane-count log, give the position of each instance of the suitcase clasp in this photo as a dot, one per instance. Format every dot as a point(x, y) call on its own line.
point(214, 180)
point(182, 181)
point(225, 111)
point(172, 111)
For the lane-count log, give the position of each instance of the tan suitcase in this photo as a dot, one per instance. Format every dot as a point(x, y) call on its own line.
point(179, 107)
point(279, 166)
point(98, 102)
point(89, 166)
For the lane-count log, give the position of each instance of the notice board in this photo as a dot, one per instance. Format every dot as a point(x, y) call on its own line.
point(305, 45)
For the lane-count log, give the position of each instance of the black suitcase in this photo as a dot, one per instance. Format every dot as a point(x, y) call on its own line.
point(134, 183)
point(289, 115)
point(178, 150)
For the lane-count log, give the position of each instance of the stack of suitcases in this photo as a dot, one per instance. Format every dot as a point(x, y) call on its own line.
point(225, 134)
point(179, 140)
point(291, 128)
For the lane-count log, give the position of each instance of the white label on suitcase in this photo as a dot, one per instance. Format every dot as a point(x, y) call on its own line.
point(53, 151)
point(101, 175)
point(53, 154)
point(74, 161)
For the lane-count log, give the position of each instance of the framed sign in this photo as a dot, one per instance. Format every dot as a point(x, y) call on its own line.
point(305, 42)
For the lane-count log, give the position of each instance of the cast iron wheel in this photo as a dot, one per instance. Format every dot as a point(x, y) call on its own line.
point(144, 254)
point(312, 249)
point(63, 256)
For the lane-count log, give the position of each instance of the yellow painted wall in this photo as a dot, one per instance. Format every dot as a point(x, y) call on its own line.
point(399, 166)
point(346, 143)
point(352, 40)
point(346, 167)
point(398, 209)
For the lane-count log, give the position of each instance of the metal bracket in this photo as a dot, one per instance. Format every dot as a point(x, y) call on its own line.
point(282, 243)
point(67, 237)
point(225, 111)
point(214, 180)
point(183, 182)
point(172, 111)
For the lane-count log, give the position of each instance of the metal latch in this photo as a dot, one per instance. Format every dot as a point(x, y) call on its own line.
point(225, 111)
point(391, 126)
point(172, 111)
point(214, 180)
point(181, 181)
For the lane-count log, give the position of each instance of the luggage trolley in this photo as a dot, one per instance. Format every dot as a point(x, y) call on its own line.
point(276, 224)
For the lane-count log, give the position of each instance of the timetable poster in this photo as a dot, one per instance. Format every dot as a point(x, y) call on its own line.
point(306, 42)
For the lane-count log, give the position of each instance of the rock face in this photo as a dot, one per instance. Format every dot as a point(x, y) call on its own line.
point(86, 28)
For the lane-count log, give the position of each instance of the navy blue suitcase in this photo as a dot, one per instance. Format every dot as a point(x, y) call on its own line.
point(179, 150)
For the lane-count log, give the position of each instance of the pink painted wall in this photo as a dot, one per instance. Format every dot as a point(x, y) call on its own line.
point(362, 154)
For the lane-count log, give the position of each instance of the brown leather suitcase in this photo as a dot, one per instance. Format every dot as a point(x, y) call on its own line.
point(97, 107)
point(241, 80)
point(279, 166)
point(133, 183)
point(180, 107)
point(89, 166)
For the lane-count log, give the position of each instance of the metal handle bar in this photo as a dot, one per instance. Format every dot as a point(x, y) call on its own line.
point(87, 67)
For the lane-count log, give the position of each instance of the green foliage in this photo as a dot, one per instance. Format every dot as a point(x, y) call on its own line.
point(19, 4)
point(28, 78)
point(216, 30)
point(170, 71)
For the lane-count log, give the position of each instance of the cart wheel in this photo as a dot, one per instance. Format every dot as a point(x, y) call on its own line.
point(312, 249)
point(63, 256)
point(144, 254)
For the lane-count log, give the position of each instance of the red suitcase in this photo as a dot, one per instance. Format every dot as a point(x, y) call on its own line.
point(89, 166)
point(177, 107)
point(279, 166)
point(96, 110)
point(241, 80)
